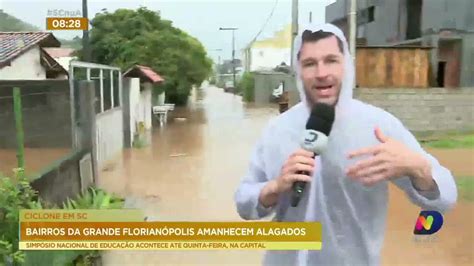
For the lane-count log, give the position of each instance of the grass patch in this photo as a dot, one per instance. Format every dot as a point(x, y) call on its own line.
point(465, 186)
point(452, 142)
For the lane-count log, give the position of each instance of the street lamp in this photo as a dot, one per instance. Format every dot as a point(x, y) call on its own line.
point(233, 50)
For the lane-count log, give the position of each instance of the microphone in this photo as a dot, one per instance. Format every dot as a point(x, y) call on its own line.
point(315, 140)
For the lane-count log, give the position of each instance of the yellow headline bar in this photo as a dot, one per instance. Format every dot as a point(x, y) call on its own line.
point(124, 215)
point(187, 245)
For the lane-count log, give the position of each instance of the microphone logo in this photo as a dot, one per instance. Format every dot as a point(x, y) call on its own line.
point(314, 141)
point(311, 137)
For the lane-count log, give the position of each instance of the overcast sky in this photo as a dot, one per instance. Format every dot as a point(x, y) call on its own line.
point(200, 18)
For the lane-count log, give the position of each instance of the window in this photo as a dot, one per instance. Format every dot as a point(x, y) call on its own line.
point(116, 84)
point(107, 89)
point(371, 15)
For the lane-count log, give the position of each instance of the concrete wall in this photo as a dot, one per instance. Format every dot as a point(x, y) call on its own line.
point(423, 110)
point(46, 114)
point(61, 181)
point(144, 108)
point(391, 17)
point(137, 107)
point(457, 14)
point(266, 82)
point(26, 66)
point(109, 136)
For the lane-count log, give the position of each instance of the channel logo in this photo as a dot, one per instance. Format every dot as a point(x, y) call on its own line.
point(428, 223)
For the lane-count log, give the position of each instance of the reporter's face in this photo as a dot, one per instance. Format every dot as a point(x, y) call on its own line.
point(322, 69)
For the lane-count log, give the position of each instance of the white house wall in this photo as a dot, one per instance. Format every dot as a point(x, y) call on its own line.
point(140, 105)
point(145, 107)
point(269, 58)
point(26, 66)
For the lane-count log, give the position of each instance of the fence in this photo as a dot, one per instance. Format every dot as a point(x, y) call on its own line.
point(395, 67)
point(107, 101)
point(43, 109)
point(36, 136)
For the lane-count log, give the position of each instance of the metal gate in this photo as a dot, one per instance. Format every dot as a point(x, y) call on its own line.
point(107, 81)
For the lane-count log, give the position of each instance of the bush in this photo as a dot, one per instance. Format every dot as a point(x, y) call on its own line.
point(213, 81)
point(246, 86)
point(15, 194)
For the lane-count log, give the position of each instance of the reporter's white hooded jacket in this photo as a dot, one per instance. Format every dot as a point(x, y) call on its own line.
point(352, 215)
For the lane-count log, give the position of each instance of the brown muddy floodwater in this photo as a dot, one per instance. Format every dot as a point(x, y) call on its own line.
point(36, 159)
point(191, 168)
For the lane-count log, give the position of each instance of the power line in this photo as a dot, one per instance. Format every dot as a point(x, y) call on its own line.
point(266, 22)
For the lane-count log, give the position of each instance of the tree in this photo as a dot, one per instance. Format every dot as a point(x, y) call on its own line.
point(127, 37)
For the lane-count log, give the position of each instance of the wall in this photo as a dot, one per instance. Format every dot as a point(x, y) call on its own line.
point(109, 136)
point(450, 52)
point(26, 66)
point(137, 107)
point(46, 114)
point(423, 110)
point(144, 106)
point(436, 15)
point(448, 14)
point(61, 181)
point(269, 58)
point(266, 82)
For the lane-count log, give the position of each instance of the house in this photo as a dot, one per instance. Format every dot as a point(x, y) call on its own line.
point(269, 53)
point(62, 55)
point(23, 56)
point(445, 25)
point(137, 100)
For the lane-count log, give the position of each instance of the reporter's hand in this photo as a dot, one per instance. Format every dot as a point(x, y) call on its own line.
point(300, 160)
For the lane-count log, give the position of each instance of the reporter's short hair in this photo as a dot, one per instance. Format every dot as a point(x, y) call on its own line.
point(309, 36)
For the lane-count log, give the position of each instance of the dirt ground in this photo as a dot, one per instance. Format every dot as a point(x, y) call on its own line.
point(453, 244)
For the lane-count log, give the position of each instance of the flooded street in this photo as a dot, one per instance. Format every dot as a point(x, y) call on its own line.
point(192, 166)
point(36, 159)
point(190, 172)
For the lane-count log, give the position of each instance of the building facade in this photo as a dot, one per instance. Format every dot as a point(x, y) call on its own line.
point(445, 25)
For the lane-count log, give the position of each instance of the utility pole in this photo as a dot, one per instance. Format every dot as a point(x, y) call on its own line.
point(218, 64)
point(233, 51)
point(352, 29)
point(85, 35)
point(310, 17)
point(294, 27)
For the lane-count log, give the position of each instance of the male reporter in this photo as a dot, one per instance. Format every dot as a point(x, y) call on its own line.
point(347, 185)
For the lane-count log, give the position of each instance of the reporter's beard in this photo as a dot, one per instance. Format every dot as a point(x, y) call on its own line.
point(311, 102)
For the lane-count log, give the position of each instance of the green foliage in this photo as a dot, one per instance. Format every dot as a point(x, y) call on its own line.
point(75, 43)
point(246, 86)
point(15, 194)
point(60, 257)
point(127, 37)
point(96, 199)
point(453, 142)
point(139, 142)
point(213, 80)
point(10, 23)
point(465, 186)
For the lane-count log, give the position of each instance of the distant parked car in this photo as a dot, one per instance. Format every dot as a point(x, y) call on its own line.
point(229, 86)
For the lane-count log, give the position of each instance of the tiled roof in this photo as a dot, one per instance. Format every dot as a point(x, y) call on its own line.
point(13, 44)
point(143, 72)
point(60, 52)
